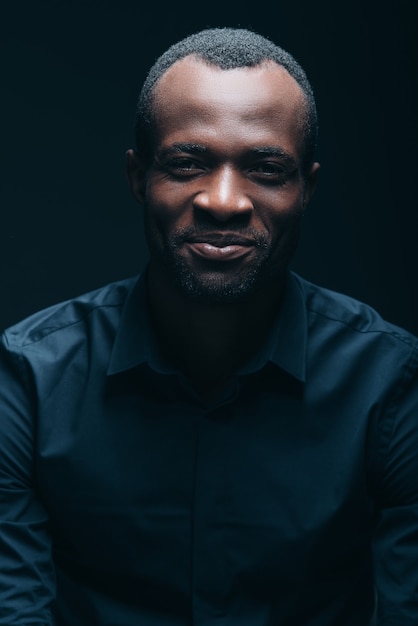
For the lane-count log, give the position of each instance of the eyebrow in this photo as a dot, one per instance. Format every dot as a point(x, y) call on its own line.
point(274, 152)
point(260, 151)
point(192, 148)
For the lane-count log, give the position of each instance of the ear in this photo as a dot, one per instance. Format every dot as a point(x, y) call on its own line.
point(136, 175)
point(311, 180)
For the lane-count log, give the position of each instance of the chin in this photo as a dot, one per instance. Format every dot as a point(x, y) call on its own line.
point(237, 282)
point(222, 287)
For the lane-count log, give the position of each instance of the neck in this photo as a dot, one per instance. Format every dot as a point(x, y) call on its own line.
point(207, 343)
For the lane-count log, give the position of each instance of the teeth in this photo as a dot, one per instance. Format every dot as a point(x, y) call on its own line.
point(212, 246)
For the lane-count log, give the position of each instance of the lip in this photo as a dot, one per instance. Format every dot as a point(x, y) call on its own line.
point(220, 248)
point(221, 240)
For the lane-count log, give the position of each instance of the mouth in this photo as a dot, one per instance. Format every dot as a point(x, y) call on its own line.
point(220, 246)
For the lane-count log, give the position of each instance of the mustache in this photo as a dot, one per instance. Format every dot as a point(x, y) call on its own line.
point(236, 236)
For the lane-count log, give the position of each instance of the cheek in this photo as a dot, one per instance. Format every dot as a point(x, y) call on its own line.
point(282, 212)
point(164, 215)
point(165, 202)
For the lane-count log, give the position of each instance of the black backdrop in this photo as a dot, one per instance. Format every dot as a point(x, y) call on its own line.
point(72, 72)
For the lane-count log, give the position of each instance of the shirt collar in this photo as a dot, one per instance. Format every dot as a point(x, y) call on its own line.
point(286, 343)
point(285, 347)
point(135, 342)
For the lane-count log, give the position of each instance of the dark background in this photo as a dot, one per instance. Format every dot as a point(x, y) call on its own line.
point(72, 72)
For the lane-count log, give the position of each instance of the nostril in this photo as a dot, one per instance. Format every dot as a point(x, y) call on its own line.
point(207, 218)
point(221, 206)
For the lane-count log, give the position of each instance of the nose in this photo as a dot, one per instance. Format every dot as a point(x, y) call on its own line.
point(223, 195)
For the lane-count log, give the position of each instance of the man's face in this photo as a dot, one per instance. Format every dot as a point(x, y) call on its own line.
point(224, 194)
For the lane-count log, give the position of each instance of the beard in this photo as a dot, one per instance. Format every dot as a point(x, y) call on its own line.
point(219, 282)
point(216, 282)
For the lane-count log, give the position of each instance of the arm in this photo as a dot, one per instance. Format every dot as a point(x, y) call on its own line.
point(396, 530)
point(26, 571)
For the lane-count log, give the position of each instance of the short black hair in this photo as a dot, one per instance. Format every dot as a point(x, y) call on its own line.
point(226, 48)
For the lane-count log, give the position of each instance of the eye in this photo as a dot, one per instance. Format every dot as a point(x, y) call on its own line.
point(270, 172)
point(183, 167)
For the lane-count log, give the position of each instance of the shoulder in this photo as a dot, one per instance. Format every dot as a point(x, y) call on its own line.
point(350, 337)
point(101, 306)
point(339, 312)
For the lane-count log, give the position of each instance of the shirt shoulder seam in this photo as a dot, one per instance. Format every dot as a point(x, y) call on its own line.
point(410, 340)
point(46, 331)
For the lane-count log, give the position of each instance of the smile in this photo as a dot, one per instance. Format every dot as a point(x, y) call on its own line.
point(219, 253)
point(218, 246)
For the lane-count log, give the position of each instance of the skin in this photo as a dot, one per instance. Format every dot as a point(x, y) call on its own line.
point(223, 200)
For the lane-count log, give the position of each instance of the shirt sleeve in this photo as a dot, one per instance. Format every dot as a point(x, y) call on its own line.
point(26, 570)
point(396, 529)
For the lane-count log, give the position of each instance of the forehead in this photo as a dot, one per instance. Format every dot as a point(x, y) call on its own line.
point(258, 100)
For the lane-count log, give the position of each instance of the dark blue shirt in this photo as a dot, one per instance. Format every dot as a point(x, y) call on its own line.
point(125, 501)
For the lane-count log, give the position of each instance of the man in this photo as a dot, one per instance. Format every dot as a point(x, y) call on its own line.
point(218, 441)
